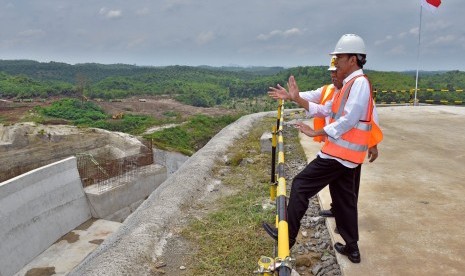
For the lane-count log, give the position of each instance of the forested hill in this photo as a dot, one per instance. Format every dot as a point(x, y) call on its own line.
point(94, 72)
point(200, 86)
point(57, 71)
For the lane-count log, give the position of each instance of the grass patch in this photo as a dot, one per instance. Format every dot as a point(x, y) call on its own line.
point(133, 124)
point(89, 114)
point(230, 240)
point(192, 136)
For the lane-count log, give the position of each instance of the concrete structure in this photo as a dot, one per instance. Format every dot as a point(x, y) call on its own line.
point(266, 142)
point(115, 202)
point(134, 248)
point(42, 206)
point(171, 160)
point(37, 208)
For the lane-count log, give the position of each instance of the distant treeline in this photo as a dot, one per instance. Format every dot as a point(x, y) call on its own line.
point(199, 86)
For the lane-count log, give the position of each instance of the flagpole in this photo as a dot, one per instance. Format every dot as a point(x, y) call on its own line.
point(418, 58)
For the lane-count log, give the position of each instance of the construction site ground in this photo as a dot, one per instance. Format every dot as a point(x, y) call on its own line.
point(411, 200)
point(156, 106)
point(71, 249)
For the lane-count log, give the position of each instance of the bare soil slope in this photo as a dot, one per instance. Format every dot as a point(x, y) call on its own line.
point(13, 112)
point(157, 107)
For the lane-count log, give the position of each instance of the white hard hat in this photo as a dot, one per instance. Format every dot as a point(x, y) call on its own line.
point(332, 65)
point(350, 44)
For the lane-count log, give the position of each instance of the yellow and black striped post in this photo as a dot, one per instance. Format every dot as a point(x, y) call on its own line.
point(283, 257)
point(282, 263)
point(273, 183)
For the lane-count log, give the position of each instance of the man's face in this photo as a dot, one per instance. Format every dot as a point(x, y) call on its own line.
point(335, 80)
point(343, 64)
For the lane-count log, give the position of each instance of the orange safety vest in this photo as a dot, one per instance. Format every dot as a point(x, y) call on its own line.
point(318, 122)
point(376, 136)
point(353, 145)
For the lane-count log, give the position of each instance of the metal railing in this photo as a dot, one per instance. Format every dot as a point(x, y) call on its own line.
point(282, 263)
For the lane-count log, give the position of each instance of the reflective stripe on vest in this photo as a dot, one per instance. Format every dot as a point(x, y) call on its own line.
point(348, 145)
point(327, 93)
point(318, 123)
point(352, 145)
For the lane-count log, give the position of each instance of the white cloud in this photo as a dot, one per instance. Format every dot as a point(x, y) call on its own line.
point(114, 14)
point(402, 35)
point(204, 37)
point(279, 33)
point(110, 14)
point(382, 41)
point(444, 40)
point(291, 32)
point(414, 31)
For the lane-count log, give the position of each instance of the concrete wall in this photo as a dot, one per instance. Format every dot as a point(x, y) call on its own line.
point(36, 209)
point(171, 160)
point(142, 237)
point(117, 201)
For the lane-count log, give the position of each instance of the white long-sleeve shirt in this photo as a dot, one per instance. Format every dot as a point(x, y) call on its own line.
point(355, 110)
point(317, 110)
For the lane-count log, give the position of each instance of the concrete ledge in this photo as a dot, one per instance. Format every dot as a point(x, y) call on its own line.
point(266, 144)
point(37, 208)
point(132, 249)
point(113, 202)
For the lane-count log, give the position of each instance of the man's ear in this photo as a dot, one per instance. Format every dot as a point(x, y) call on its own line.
point(353, 59)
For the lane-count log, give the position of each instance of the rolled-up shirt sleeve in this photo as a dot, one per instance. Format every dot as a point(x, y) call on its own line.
point(312, 95)
point(319, 110)
point(355, 109)
point(315, 109)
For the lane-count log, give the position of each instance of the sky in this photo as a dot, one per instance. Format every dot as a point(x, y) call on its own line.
point(285, 33)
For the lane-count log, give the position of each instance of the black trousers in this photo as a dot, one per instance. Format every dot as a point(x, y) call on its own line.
point(357, 187)
point(342, 181)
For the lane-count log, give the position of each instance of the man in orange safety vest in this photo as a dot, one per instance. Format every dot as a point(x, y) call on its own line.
point(322, 95)
point(348, 140)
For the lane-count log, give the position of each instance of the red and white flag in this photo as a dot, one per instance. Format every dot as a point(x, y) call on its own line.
point(431, 5)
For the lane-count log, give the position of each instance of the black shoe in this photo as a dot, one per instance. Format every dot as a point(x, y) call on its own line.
point(273, 232)
point(351, 252)
point(326, 213)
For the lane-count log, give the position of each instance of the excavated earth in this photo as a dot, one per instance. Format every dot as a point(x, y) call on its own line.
point(26, 146)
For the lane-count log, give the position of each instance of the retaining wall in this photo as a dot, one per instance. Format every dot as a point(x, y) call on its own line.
point(117, 202)
point(171, 160)
point(36, 209)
